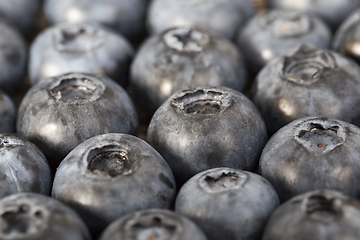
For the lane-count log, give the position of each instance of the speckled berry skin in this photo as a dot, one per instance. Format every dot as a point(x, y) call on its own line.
point(13, 56)
point(23, 167)
point(228, 203)
point(207, 127)
point(184, 58)
point(59, 113)
point(20, 13)
point(274, 33)
point(153, 224)
point(313, 153)
point(219, 17)
point(7, 114)
point(81, 47)
point(124, 16)
point(111, 175)
point(333, 12)
point(346, 39)
point(317, 215)
point(30, 216)
point(306, 83)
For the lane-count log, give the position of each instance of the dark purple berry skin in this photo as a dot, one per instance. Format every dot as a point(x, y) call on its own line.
point(153, 224)
point(317, 215)
point(219, 17)
point(20, 13)
point(208, 127)
point(81, 47)
point(228, 203)
point(333, 12)
point(346, 39)
point(13, 56)
point(30, 216)
point(59, 113)
point(308, 82)
point(23, 167)
point(7, 114)
point(111, 175)
point(184, 58)
point(313, 153)
point(124, 16)
point(274, 33)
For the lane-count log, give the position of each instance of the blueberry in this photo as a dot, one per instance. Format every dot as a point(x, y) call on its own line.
point(273, 33)
point(346, 39)
point(111, 175)
point(59, 113)
point(308, 82)
point(183, 58)
point(153, 224)
point(220, 17)
point(127, 17)
point(318, 215)
point(13, 57)
point(313, 153)
point(208, 127)
point(23, 167)
point(7, 114)
point(20, 13)
point(333, 12)
point(228, 203)
point(81, 47)
point(30, 216)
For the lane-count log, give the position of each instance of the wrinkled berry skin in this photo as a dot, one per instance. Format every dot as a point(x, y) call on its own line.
point(153, 224)
point(7, 114)
point(59, 113)
point(208, 127)
point(274, 33)
point(81, 47)
point(317, 215)
point(308, 82)
point(20, 13)
point(30, 216)
point(184, 58)
point(124, 16)
point(228, 203)
point(13, 57)
point(333, 12)
point(346, 39)
point(111, 175)
point(23, 167)
point(313, 153)
point(219, 17)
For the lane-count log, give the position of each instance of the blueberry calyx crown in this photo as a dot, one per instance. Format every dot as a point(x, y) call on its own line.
point(73, 88)
point(78, 38)
point(320, 137)
point(286, 24)
point(109, 160)
point(186, 39)
point(307, 65)
point(202, 101)
point(222, 180)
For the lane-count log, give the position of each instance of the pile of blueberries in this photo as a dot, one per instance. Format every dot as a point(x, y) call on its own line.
point(253, 131)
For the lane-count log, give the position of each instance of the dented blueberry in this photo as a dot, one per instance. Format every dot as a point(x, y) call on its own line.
point(208, 127)
point(59, 113)
point(111, 175)
point(228, 203)
point(30, 216)
point(81, 47)
point(317, 215)
point(184, 58)
point(313, 153)
point(153, 224)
